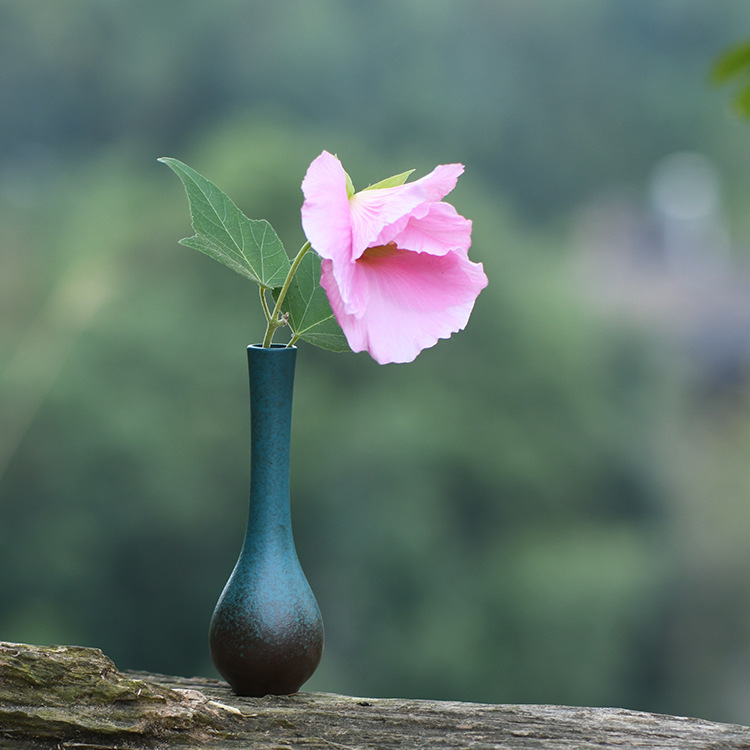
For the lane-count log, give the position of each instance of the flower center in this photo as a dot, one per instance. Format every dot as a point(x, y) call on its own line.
point(380, 251)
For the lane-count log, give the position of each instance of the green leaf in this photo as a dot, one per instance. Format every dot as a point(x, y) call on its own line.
point(349, 186)
point(310, 316)
point(731, 63)
point(395, 181)
point(250, 247)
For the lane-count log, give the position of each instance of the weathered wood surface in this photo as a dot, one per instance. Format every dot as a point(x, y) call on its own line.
point(70, 697)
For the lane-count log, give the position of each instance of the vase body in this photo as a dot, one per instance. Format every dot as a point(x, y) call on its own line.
point(266, 633)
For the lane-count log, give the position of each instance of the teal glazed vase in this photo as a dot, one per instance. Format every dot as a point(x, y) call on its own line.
point(266, 633)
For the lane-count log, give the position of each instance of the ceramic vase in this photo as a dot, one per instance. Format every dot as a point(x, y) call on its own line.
point(266, 633)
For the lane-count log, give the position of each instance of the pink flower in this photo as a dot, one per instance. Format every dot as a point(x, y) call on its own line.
point(395, 259)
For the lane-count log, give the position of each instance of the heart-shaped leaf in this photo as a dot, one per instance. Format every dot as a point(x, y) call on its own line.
point(250, 247)
point(310, 316)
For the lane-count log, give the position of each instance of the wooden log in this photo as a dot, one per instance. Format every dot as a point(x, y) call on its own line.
point(72, 697)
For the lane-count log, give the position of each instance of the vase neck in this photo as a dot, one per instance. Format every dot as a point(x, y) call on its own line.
point(271, 389)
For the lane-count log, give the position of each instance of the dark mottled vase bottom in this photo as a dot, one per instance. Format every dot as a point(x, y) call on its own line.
point(266, 633)
point(272, 658)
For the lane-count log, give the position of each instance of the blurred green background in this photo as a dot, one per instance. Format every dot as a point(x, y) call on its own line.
point(551, 507)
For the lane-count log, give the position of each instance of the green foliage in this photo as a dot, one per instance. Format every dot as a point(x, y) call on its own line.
point(734, 66)
point(250, 247)
point(310, 316)
point(395, 181)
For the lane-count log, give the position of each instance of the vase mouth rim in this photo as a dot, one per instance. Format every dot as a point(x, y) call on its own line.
point(255, 347)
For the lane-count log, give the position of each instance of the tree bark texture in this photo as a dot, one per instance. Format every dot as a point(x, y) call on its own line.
point(71, 697)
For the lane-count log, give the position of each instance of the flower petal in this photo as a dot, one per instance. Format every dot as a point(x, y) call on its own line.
point(438, 183)
point(350, 286)
point(373, 210)
point(414, 299)
point(355, 333)
point(439, 231)
point(325, 213)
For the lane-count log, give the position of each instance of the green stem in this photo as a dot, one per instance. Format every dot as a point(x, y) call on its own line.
point(264, 304)
point(273, 320)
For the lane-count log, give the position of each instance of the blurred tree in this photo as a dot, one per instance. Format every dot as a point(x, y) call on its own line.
point(494, 522)
point(449, 509)
point(545, 105)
